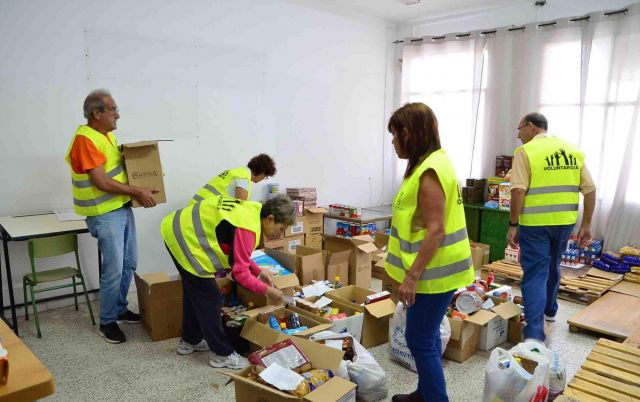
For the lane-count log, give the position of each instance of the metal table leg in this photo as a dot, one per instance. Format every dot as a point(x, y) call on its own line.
point(12, 301)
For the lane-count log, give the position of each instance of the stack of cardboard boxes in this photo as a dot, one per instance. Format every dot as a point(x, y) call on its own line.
point(306, 231)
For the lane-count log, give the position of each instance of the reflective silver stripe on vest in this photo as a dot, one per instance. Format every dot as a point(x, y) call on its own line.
point(447, 240)
point(212, 189)
point(434, 272)
point(197, 198)
point(87, 183)
point(94, 201)
point(553, 189)
point(202, 238)
point(177, 231)
point(550, 208)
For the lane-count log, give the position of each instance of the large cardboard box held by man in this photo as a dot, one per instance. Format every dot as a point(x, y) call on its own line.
point(286, 283)
point(142, 163)
point(375, 329)
point(336, 389)
point(360, 261)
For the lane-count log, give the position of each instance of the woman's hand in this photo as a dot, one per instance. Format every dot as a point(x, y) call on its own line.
point(266, 276)
point(275, 295)
point(407, 290)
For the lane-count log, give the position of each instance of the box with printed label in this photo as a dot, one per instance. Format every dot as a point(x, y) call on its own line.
point(314, 220)
point(287, 244)
point(144, 169)
point(297, 228)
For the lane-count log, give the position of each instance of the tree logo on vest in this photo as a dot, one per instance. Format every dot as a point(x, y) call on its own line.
point(223, 174)
point(398, 201)
point(560, 160)
point(227, 203)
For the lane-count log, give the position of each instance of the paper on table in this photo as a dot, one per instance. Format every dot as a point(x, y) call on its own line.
point(65, 215)
point(323, 301)
point(316, 289)
point(334, 343)
point(282, 378)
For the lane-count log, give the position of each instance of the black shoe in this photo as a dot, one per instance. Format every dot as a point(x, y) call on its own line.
point(412, 397)
point(112, 333)
point(129, 318)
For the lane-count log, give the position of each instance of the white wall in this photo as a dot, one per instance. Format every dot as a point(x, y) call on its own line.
point(224, 79)
point(518, 14)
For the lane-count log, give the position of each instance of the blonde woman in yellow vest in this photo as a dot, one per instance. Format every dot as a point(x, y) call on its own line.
point(237, 182)
point(101, 193)
point(429, 253)
point(547, 178)
point(206, 240)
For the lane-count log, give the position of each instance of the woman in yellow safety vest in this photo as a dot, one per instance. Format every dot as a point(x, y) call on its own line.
point(428, 252)
point(206, 240)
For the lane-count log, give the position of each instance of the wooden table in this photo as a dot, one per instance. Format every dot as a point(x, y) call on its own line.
point(26, 227)
point(29, 379)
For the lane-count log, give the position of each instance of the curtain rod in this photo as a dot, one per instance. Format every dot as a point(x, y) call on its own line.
point(553, 24)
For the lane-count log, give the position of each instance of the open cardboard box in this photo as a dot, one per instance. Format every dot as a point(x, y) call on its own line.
point(493, 324)
point(377, 264)
point(160, 303)
point(360, 260)
point(286, 244)
point(337, 264)
point(144, 169)
point(463, 341)
point(335, 390)
point(314, 220)
point(255, 331)
point(286, 283)
point(353, 324)
point(479, 254)
point(310, 265)
point(375, 329)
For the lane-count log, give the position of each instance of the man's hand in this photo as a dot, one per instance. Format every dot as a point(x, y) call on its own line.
point(144, 196)
point(407, 291)
point(584, 236)
point(512, 237)
point(266, 276)
point(275, 295)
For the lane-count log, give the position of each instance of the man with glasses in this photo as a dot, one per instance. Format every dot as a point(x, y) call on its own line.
point(547, 176)
point(102, 194)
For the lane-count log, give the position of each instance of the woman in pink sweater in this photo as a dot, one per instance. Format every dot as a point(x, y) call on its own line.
point(205, 240)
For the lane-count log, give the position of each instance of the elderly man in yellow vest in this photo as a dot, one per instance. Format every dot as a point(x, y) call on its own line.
point(102, 194)
point(548, 175)
point(237, 182)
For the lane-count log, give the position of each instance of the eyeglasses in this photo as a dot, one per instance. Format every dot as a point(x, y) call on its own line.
point(115, 110)
point(522, 126)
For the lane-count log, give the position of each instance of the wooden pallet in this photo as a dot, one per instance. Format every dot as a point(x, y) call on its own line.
point(584, 289)
point(610, 374)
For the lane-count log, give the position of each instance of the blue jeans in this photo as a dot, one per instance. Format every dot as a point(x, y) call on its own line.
point(116, 234)
point(540, 250)
point(423, 339)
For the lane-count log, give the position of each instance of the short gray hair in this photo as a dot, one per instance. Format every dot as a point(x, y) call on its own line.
point(94, 101)
point(281, 208)
point(537, 119)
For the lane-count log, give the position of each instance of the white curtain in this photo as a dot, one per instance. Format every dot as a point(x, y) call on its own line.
point(584, 76)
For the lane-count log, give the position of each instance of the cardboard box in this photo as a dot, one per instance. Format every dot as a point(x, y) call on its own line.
point(353, 324)
point(296, 229)
point(375, 329)
point(389, 284)
point(314, 219)
point(254, 330)
point(335, 390)
point(286, 283)
point(377, 264)
point(287, 244)
point(360, 260)
point(337, 264)
point(479, 254)
point(310, 265)
point(160, 303)
point(142, 163)
point(493, 324)
point(463, 341)
point(313, 240)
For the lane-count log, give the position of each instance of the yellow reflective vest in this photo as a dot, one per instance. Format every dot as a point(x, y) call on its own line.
point(451, 266)
point(219, 185)
point(553, 194)
point(190, 233)
point(88, 200)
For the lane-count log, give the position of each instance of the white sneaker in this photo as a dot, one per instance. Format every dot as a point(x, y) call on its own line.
point(185, 348)
point(233, 361)
point(549, 319)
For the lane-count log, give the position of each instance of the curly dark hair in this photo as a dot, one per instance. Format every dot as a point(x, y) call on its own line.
point(262, 164)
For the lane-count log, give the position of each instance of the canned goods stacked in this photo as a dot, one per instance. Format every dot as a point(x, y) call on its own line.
point(345, 211)
point(350, 229)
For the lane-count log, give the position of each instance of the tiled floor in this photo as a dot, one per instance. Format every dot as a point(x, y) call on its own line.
point(86, 368)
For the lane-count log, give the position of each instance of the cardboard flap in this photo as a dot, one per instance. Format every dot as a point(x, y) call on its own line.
point(316, 329)
point(380, 263)
point(366, 238)
point(335, 389)
point(507, 310)
point(286, 281)
point(598, 273)
point(319, 355)
point(481, 317)
point(317, 210)
point(339, 257)
point(382, 308)
point(303, 251)
point(285, 259)
point(255, 384)
point(381, 240)
point(155, 277)
point(456, 328)
point(367, 247)
point(139, 144)
point(257, 333)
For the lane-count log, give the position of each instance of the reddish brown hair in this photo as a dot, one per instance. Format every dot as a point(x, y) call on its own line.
point(422, 132)
point(262, 163)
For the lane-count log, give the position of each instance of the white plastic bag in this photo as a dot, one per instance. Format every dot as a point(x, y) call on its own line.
point(512, 382)
point(557, 370)
point(398, 348)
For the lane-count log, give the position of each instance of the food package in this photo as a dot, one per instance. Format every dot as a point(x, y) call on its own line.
point(312, 380)
point(285, 353)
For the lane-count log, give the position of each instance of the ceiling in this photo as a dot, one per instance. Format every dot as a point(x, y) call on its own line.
point(395, 11)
